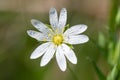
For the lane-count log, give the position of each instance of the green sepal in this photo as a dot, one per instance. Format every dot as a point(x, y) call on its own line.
point(49, 26)
point(66, 27)
point(70, 46)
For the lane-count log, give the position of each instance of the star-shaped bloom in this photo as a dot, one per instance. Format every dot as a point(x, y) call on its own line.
point(56, 39)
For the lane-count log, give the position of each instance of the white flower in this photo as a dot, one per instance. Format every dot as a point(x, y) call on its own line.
point(57, 39)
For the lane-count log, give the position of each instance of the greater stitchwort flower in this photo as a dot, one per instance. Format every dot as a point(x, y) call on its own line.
point(58, 40)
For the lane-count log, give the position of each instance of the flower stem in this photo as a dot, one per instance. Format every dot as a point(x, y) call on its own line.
point(72, 73)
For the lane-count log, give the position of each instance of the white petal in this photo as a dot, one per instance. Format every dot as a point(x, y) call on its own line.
point(77, 29)
point(40, 26)
point(38, 36)
point(68, 52)
point(78, 39)
point(61, 59)
point(48, 55)
point(40, 50)
point(53, 18)
point(62, 18)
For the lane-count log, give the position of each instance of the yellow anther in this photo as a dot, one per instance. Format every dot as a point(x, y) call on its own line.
point(63, 29)
point(50, 30)
point(57, 39)
point(50, 35)
point(56, 31)
point(44, 40)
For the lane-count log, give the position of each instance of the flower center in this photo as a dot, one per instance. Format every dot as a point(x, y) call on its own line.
point(57, 39)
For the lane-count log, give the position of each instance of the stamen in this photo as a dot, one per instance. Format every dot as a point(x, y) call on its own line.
point(63, 29)
point(56, 31)
point(44, 40)
point(50, 35)
point(57, 39)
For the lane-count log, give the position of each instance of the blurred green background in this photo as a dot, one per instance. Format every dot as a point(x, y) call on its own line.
point(16, 46)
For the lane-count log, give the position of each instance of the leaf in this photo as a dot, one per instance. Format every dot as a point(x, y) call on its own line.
point(117, 53)
point(114, 74)
point(98, 71)
point(114, 53)
point(101, 40)
point(118, 17)
point(101, 50)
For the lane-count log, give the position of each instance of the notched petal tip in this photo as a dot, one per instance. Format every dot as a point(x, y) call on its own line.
point(33, 56)
point(83, 27)
point(32, 33)
point(34, 21)
point(29, 32)
point(64, 9)
point(75, 61)
point(87, 39)
point(52, 10)
point(42, 64)
point(63, 69)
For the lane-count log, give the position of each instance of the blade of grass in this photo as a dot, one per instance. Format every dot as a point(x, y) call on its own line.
point(98, 71)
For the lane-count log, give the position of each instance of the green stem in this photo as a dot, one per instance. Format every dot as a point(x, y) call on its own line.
point(72, 73)
point(113, 13)
point(112, 20)
point(112, 35)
